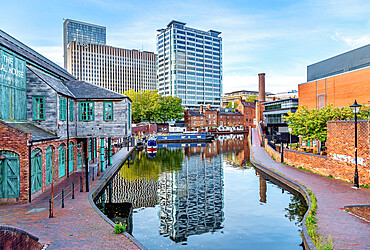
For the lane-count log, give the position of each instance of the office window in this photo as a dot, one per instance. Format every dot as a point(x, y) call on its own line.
point(108, 111)
point(86, 111)
point(38, 108)
point(62, 108)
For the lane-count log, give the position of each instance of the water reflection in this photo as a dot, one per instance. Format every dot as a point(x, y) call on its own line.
point(182, 189)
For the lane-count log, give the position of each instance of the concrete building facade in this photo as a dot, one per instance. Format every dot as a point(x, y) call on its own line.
point(82, 32)
point(112, 68)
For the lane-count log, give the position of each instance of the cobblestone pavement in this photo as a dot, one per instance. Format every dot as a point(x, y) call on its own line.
point(77, 226)
point(346, 230)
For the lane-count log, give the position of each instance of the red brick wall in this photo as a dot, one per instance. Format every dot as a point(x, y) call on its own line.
point(339, 162)
point(340, 90)
point(362, 211)
point(341, 149)
point(15, 140)
point(147, 129)
point(43, 145)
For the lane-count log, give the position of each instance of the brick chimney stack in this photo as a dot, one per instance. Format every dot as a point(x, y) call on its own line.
point(201, 109)
point(261, 87)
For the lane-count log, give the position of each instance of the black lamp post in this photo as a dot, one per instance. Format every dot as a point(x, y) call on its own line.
point(356, 109)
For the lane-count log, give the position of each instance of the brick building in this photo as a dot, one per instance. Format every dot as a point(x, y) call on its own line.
point(339, 80)
point(208, 117)
point(47, 119)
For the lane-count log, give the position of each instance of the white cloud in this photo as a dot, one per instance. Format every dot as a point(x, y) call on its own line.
point(53, 53)
point(351, 40)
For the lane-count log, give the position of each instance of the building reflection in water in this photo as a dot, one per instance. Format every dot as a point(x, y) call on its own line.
point(191, 200)
point(186, 183)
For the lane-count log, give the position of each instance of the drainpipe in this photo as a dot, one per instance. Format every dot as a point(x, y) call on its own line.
point(29, 171)
point(67, 137)
point(86, 164)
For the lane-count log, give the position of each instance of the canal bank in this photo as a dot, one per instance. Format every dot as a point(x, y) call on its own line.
point(75, 226)
point(347, 231)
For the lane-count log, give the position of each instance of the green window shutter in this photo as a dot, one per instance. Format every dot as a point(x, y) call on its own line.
point(129, 114)
point(38, 104)
point(87, 112)
point(62, 109)
point(108, 111)
point(71, 110)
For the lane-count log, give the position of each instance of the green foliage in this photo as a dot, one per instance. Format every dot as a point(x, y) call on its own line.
point(251, 98)
point(145, 168)
point(312, 228)
point(312, 124)
point(150, 106)
point(119, 228)
point(232, 105)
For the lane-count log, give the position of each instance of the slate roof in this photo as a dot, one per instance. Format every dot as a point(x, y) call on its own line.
point(53, 82)
point(195, 113)
point(249, 104)
point(38, 134)
point(23, 50)
point(85, 90)
point(229, 113)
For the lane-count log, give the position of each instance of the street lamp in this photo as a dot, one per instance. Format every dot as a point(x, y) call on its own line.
point(356, 109)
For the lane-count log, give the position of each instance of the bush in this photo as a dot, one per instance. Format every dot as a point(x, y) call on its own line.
point(119, 228)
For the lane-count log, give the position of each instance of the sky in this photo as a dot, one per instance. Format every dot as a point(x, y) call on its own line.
point(277, 37)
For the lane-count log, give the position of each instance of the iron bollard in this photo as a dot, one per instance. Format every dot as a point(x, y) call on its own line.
point(73, 190)
point(81, 187)
point(50, 215)
point(62, 198)
point(93, 173)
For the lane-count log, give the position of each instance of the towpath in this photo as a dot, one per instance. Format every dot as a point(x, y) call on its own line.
point(77, 226)
point(346, 230)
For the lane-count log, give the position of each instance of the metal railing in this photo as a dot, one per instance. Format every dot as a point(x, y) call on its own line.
point(62, 196)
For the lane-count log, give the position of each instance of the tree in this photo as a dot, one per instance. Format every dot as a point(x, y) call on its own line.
point(251, 98)
point(150, 106)
point(312, 124)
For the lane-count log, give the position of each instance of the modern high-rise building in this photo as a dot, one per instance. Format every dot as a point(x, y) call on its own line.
point(189, 65)
point(112, 68)
point(82, 32)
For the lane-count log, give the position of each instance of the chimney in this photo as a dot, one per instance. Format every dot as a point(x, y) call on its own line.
point(261, 87)
point(201, 108)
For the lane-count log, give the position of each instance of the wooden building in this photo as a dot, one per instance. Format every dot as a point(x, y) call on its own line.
point(46, 118)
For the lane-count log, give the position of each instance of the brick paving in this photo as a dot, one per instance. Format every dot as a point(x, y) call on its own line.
point(347, 231)
point(77, 225)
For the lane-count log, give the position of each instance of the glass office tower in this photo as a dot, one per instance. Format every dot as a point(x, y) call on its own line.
point(189, 65)
point(82, 32)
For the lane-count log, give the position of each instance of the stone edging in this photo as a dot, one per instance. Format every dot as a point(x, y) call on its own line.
point(307, 241)
point(104, 180)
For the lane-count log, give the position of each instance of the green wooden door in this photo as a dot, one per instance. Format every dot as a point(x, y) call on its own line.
point(9, 175)
point(90, 150)
point(79, 155)
point(70, 157)
point(36, 171)
point(48, 164)
point(62, 161)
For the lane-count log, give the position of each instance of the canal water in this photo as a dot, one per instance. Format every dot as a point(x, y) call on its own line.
point(202, 196)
